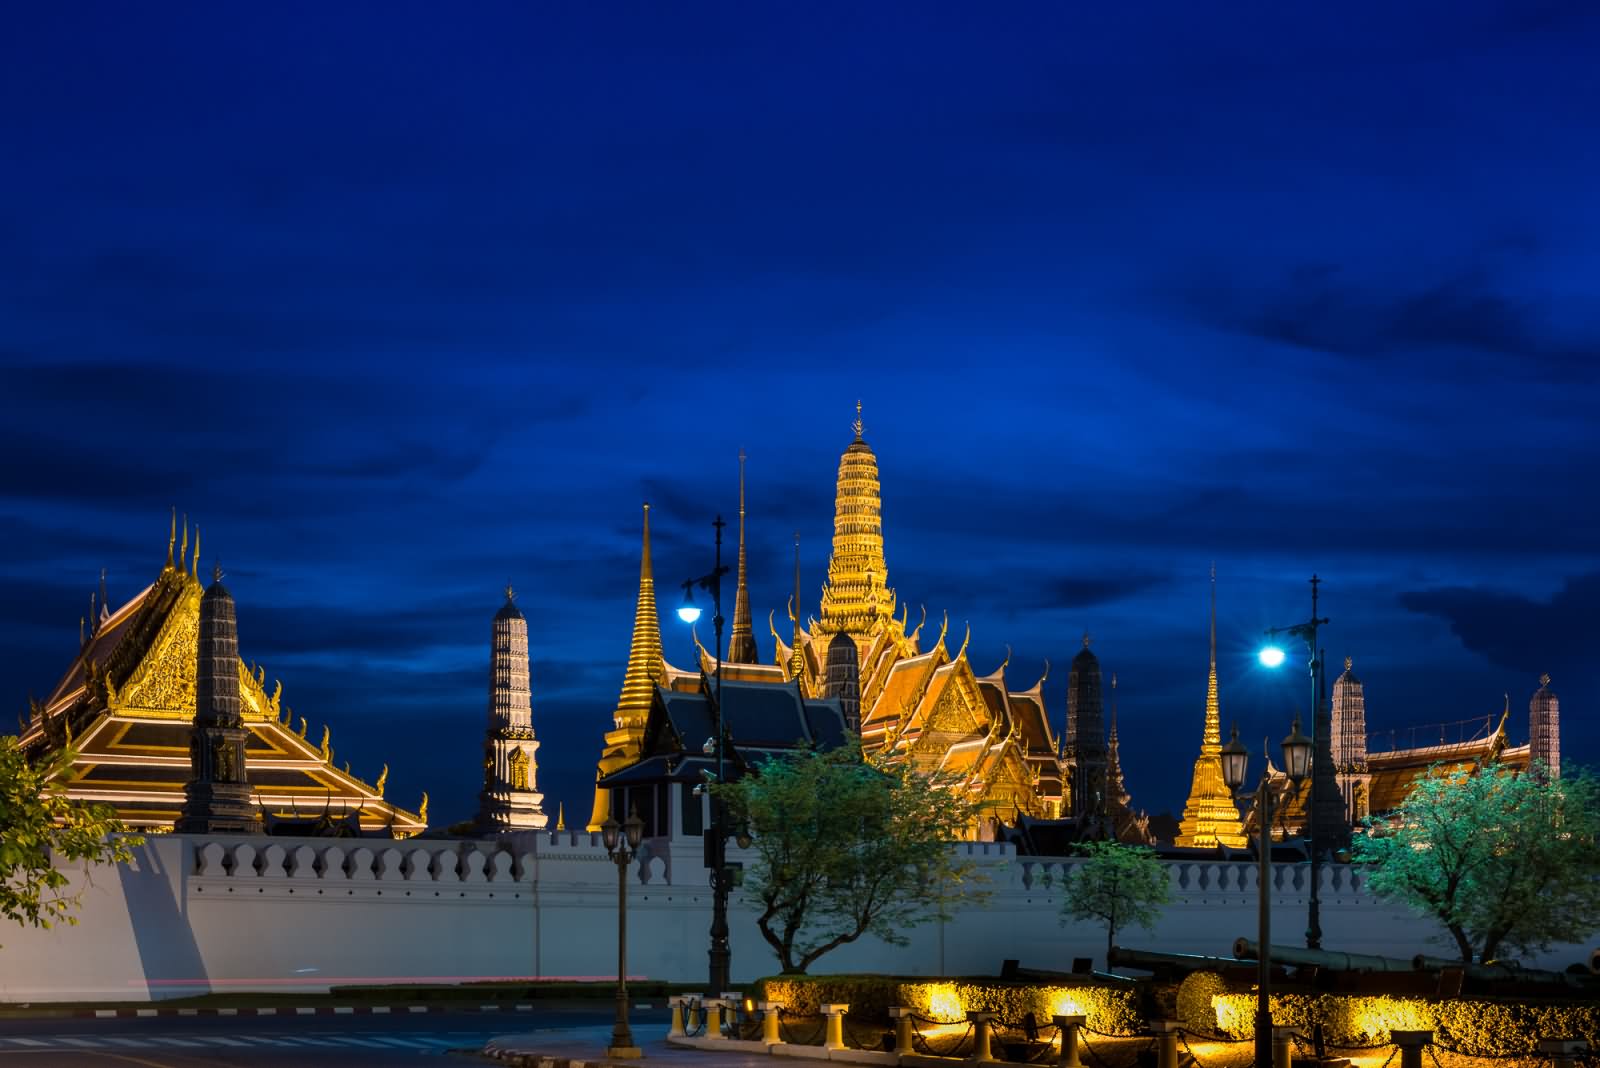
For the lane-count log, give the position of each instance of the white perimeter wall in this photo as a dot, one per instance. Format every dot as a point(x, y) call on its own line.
point(195, 914)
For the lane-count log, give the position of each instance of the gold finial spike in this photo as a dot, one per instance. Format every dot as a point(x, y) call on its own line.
point(172, 538)
point(325, 747)
point(1349, 663)
point(857, 424)
point(422, 809)
point(216, 572)
point(1544, 680)
point(195, 570)
point(561, 815)
point(1087, 638)
point(383, 778)
point(511, 594)
point(183, 549)
point(1213, 616)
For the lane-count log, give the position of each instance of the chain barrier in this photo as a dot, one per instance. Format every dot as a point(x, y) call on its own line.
point(927, 1047)
point(853, 1030)
point(1103, 1062)
point(750, 1027)
point(1219, 1039)
point(1040, 1041)
point(1530, 1054)
point(693, 1010)
point(787, 1032)
point(1434, 1056)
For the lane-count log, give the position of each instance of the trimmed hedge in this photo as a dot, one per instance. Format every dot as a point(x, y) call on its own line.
point(1110, 1009)
point(1476, 1027)
point(1195, 995)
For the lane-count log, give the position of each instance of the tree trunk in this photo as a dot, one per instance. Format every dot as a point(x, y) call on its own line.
point(1111, 936)
point(1464, 946)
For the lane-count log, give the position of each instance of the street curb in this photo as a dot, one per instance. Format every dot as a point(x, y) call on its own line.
point(522, 1059)
point(293, 1010)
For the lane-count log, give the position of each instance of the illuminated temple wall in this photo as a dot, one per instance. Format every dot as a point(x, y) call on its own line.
point(197, 914)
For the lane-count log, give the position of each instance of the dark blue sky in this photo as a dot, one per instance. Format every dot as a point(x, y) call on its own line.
point(401, 301)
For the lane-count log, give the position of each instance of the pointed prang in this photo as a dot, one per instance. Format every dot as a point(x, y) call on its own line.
point(742, 641)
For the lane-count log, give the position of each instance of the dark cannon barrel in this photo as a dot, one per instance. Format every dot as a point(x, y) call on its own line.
point(1323, 958)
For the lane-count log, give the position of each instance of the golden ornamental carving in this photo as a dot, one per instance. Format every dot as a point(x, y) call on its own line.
point(163, 679)
point(383, 779)
point(325, 748)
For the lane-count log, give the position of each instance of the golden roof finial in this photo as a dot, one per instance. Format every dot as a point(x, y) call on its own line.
point(1544, 680)
point(422, 809)
point(195, 569)
point(325, 747)
point(183, 549)
point(383, 778)
point(511, 594)
point(644, 652)
point(1087, 638)
point(172, 538)
point(963, 651)
point(1349, 663)
point(742, 639)
point(561, 815)
point(857, 424)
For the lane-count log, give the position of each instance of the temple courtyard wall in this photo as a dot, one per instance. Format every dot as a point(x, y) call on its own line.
point(196, 914)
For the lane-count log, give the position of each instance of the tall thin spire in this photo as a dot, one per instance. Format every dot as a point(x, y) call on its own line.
point(1212, 743)
point(1211, 816)
point(796, 657)
point(105, 605)
point(742, 642)
point(172, 538)
point(183, 548)
point(644, 655)
point(196, 569)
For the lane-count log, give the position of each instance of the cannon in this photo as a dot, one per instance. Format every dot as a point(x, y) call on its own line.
point(1149, 960)
point(1322, 958)
point(1496, 971)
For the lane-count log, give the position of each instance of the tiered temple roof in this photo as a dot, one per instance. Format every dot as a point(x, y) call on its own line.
point(127, 702)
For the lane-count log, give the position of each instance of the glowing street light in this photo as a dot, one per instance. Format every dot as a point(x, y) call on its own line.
point(1270, 656)
point(688, 611)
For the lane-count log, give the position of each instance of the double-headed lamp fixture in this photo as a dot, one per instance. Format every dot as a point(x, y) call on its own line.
point(631, 831)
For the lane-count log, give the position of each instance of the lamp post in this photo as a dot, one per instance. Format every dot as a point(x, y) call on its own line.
point(1324, 789)
point(1296, 755)
point(716, 842)
point(621, 852)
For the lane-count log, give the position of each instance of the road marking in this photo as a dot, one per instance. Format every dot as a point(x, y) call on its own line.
point(144, 1012)
point(342, 1010)
point(188, 1012)
point(266, 1012)
point(416, 1008)
point(380, 1010)
point(305, 1012)
point(227, 1012)
point(105, 1012)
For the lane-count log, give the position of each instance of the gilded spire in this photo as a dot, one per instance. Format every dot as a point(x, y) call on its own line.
point(644, 656)
point(857, 597)
point(195, 570)
point(796, 657)
point(1211, 817)
point(742, 642)
point(561, 816)
point(1116, 789)
point(183, 549)
point(1212, 743)
point(172, 538)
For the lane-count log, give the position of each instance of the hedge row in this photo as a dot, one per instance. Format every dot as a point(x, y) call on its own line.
point(1110, 1009)
point(1476, 1027)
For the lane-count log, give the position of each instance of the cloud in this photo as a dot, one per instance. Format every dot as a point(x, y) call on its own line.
point(1317, 306)
point(1518, 632)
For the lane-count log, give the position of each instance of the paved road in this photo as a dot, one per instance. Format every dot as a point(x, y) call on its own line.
point(360, 1041)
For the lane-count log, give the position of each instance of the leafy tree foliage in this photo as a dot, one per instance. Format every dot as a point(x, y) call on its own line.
point(845, 848)
point(1119, 885)
point(39, 825)
point(1501, 860)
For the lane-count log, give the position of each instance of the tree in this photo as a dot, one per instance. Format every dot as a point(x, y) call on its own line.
point(1118, 885)
point(1501, 860)
point(40, 825)
point(845, 847)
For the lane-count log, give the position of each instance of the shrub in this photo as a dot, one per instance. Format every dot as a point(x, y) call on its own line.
point(1481, 1028)
point(1110, 1009)
point(1194, 1001)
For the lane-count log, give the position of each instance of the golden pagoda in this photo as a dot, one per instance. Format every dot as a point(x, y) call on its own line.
point(1210, 816)
point(127, 705)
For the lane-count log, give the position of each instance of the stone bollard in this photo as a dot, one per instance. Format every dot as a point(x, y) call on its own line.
point(693, 1006)
point(676, 1003)
point(1283, 1046)
point(1411, 1043)
point(835, 1018)
point(1167, 1047)
point(1069, 1026)
point(1564, 1052)
point(734, 1004)
point(902, 1029)
point(713, 1007)
point(770, 1032)
point(982, 1036)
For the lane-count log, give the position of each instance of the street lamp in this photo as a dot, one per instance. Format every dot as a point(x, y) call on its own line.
point(1235, 758)
point(716, 840)
point(1324, 789)
point(621, 852)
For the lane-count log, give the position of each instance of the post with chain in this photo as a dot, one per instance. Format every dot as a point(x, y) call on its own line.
point(1411, 1044)
point(1069, 1026)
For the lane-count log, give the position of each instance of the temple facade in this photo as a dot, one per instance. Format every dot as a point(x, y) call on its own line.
point(130, 703)
point(925, 704)
point(510, 800)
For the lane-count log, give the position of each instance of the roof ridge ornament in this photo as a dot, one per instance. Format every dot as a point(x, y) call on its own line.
point(856, 426)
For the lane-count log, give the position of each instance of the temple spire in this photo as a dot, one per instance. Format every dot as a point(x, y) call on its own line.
point(796, 657)
point(644, 655)
point(742, 642)
point(1211, 817)
point(218, 798)
point(857, 598)
point(172, 538)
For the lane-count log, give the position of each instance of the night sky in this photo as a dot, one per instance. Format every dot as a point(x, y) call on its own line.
point(401, 302)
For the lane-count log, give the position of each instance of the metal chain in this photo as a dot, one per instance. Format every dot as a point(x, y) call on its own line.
point(1485, 1056)
point(787, 1033)
point(852, 1031)
point(917, 1035)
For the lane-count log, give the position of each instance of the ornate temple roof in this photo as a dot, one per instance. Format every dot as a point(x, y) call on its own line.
point(127, 701)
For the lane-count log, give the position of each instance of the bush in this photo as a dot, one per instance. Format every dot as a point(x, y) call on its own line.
point(1110, 1009)
point(1480, 1028)
point(1194, 1001)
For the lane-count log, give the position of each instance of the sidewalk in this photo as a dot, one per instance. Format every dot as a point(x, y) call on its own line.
point(586, 1048)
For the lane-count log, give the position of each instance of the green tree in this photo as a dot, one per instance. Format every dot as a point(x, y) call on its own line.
point(845, 848)
point(1119, 885)
point(40, 826)
point(1501, 860)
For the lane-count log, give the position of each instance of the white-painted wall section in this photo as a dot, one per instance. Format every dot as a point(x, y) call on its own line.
point(194, 914)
